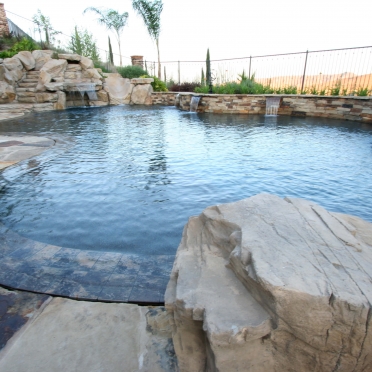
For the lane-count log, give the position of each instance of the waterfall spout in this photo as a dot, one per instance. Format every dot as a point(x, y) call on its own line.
point(272, 105)
point(89, 89)
point(194, 103)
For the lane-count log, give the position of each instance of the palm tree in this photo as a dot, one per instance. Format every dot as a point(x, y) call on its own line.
point(150, 11)
point(113, 20)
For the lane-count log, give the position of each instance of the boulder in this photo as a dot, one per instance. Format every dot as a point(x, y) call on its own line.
point(142, 81)
point(53, 87)
point(46, 97)
point(61, 101)
point(44, 79)
point(41, 58)
point(91, 73)
point(12, 64)
point(271, 284)
point(15, 68)
point(118, 88)
point(5, 75)
point(141, 94)
point(102, 95)
point(28, 61)
point(7, 93)
point(70, 57)
point(55, 67)
point(86, 63)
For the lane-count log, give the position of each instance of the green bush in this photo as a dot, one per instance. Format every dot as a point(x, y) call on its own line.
point(362, 92)
point(157, 84)
point(23, 44)
point(131, 72)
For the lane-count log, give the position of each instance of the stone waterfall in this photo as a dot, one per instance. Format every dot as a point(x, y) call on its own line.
point(272, 105)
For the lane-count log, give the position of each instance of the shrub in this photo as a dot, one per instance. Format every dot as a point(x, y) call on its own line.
point(131, 72)
point(23, 44)
point(362, 92)
point(335, 91)
point(157, 84)
point(184, 87)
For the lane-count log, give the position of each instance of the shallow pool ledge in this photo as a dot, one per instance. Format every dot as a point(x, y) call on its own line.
point(267, 283)
point(335, 107)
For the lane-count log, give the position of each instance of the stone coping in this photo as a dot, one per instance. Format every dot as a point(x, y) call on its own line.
point(37, 267)
point(269, 95)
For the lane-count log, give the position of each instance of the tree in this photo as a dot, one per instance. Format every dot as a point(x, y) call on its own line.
point(83, 43)
point(113, 21)
point(111, 56)
point(202, 83)
point(150, 11)
point(208, 68)
point(43, 23)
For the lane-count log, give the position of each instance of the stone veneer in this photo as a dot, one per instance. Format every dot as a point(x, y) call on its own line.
point(164, 98)
point(4, 27)
point(344, 108)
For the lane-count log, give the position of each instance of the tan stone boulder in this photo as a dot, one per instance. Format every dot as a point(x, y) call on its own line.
point(70, 57)
point(86, 63)
point(41, 58)
point(136, 81)
point(61, 101)
point(28, 61)
point(7, 93)
point(53, 87)
point(141, 94)
point(15, 68)
point(118, 89)
point(5, 75)
point(102, 95)
point(271, 284)
point(55, 67)
point(91, 73)
point(44, 79)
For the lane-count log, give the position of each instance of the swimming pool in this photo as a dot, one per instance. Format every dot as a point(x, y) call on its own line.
point(132, 176)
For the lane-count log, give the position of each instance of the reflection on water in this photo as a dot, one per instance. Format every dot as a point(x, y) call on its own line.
point(135, 174)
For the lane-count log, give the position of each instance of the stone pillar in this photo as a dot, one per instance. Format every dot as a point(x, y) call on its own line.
point(4, 28)
point(137, 61)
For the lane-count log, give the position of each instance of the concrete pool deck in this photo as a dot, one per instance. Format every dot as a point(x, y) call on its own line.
point(90, 275)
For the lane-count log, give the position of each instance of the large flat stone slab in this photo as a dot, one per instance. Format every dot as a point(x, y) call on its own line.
point(271, 284)
point(90, 275)
point(71, 336)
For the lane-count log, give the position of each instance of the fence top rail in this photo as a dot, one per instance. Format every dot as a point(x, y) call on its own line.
point(267, 55)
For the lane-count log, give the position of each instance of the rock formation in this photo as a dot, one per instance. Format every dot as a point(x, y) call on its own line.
point(267, 284)
point(70, 80)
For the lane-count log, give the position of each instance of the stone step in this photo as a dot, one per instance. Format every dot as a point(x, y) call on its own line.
point(25, 94)
point(25, 90)
point(27, 85)
point(27, 80)
point(27, 99)
point(33, 73)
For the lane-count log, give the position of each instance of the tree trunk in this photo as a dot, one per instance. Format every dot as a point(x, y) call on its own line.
point(159, 67)
point(121, 63)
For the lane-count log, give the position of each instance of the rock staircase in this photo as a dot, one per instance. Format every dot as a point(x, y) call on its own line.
point(26, 90)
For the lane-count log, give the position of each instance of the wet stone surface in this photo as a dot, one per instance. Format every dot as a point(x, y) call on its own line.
point(90, 275)
point(16, 309)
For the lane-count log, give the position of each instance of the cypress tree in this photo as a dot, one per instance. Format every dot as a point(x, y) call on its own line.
point(165, 74)
point(202, 83)
point(208, 68)
point(111, 56)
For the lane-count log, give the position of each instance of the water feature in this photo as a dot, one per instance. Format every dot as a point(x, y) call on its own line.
point(134, 175)
point(88, 89)
point(272, 105)
point(194, 103)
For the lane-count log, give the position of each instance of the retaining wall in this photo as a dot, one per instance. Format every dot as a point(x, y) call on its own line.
point(345, 108)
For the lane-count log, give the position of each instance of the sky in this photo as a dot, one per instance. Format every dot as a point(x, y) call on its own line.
point(230, 29)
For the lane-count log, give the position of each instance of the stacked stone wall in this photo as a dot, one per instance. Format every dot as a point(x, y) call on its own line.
point(164, 98)
point(344, 108)
point(4, 27)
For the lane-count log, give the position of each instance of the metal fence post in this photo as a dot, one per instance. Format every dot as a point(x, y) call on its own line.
point(179, 73)
point(303, 77)
point(250, 61)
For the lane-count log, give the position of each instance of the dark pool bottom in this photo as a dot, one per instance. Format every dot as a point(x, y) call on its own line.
point(86, 275)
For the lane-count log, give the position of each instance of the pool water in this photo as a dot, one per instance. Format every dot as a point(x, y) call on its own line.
point(132, 176)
